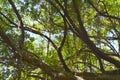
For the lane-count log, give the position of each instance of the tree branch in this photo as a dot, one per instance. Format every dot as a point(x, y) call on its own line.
point(106, 38)
point(67, 17)
point(40, 63)
point(20, 24)
point(61, 46)
point(90, 44)
point(7, 18)
point(36, 32)
point(54, 45)
point(6, 39)
point(102, 13)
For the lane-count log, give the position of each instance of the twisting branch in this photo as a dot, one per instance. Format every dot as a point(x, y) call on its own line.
point(61, 46)
point(65, 34)
point(20, 24)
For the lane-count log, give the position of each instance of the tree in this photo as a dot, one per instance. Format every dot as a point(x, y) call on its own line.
point(59, 39)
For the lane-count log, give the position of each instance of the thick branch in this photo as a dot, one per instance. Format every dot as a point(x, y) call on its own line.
point(84, 36)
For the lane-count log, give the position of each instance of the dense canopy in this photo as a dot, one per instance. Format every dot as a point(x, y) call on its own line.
point(59, 39)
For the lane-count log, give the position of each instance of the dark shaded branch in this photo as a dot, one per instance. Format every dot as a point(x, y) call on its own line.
point(54, 45)
point(102, 13)
point(6, 39)
point(65, 27)
point(27, 58)
point(38, 62)
point(112, 54)
point(65, 35)
point(39, 33)
point(7, 18)
point(112, 48)
point(88, 64)
point(106, 38)
point(78, 16)
point(36, 76)
point(101, 65)
point(61, 46)
point(84, 36)
point(70, 21)
point(67, 17)
point(20, 24)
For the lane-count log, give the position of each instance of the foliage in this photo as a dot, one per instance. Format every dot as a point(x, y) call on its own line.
point(56, 39)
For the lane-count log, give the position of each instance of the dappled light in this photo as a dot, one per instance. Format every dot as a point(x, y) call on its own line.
point(59, 40)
